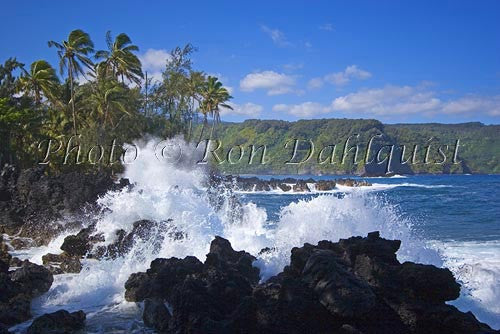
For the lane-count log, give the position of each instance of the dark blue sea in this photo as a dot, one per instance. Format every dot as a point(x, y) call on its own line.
point(450, 221)
point(441, 207)
point(457, 216)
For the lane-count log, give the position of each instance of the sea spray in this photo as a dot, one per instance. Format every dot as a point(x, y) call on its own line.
point(328, 217)
point(177, 197)
point(477, 267)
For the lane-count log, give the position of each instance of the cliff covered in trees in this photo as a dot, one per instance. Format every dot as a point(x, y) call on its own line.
point(428, 148)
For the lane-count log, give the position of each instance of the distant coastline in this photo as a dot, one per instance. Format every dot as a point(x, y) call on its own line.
point(425, 145)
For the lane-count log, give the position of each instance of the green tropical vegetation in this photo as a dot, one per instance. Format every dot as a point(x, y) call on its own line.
point(102, 97)
point(478, 151)
point(105, 97)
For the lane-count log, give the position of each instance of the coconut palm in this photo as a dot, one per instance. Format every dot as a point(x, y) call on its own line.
point(107, 98)
point(8, 81)
point(119, 60)
point(194, 86)
point(214, 96)
point(40, 79)
point(73, 53)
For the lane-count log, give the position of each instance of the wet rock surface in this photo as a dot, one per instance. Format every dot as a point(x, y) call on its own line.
point(3, 329)
point(18, 288)
point(356, 285)
point(62, 263)
point(33, 279)
point(5, 257)
point(85, 243)
point(59, 322)
point(31, 201)
point(78, 245)
point(292, 185)
point(156, 314)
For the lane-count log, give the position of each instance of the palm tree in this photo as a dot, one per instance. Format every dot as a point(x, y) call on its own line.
point(41, 79)
point(73, 54)
point(119, 59)
point(194, 86)
point(214, 97)
point(107, 98)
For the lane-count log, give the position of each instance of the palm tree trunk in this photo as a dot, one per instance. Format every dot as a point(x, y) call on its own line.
point(38, 98)
point(70, 73)
point(203, 128)
point(104, 119)
point(212, 130)
point(189, 130)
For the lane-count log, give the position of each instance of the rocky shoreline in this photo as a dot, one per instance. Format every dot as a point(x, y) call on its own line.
point(251, 184)
point(355, 285)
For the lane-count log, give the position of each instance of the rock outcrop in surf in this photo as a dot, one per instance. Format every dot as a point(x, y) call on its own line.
point(18, 288)
point(31, 201)
point(59, 322)
point(291, 184)
point(356, 285)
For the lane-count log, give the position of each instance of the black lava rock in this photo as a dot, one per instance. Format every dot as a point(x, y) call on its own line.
point(33, 279)
point(356, 285)
point(156, 314)
point(60, 322)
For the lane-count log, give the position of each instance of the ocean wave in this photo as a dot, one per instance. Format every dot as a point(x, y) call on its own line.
point(346, 189)
point(176, 194)
point(395, 176)
point(477, 266)
point(411, 185)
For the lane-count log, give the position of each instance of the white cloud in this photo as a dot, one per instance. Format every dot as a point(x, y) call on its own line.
point(340, 78)
point(293, 66)
point(277, 36)
point(315, 83)
point(326, 27)
point(397, 102)
point(354, 72)
point(154, 61)
point(248, 109)
point(389, 100)
point(275, 83)
point(337, 79)
point(474, 104)
point(306, 109)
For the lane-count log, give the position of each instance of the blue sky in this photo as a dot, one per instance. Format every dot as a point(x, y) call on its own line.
point(396, 61)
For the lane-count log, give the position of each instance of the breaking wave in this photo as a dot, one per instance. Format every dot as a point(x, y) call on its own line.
point(175, 195)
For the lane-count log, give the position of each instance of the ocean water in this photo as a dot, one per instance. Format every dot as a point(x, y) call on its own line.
point(451, 221)
point(457, 216)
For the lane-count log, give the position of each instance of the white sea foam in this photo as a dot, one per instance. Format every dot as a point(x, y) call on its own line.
point(477, 266)
point(35, 254)
point(384, 186)
point(175, 196)
point(339, 188)
point(332, 218)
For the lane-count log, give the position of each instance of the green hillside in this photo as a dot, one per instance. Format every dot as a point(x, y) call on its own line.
point(478, 151)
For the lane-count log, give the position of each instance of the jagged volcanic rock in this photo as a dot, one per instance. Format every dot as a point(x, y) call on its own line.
point(31, 201)
point(59, 322)
point(290, 184)
point(33, 279)
point(18, 288)
point(62, 263)
point(156, 314)
point(356, 285)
